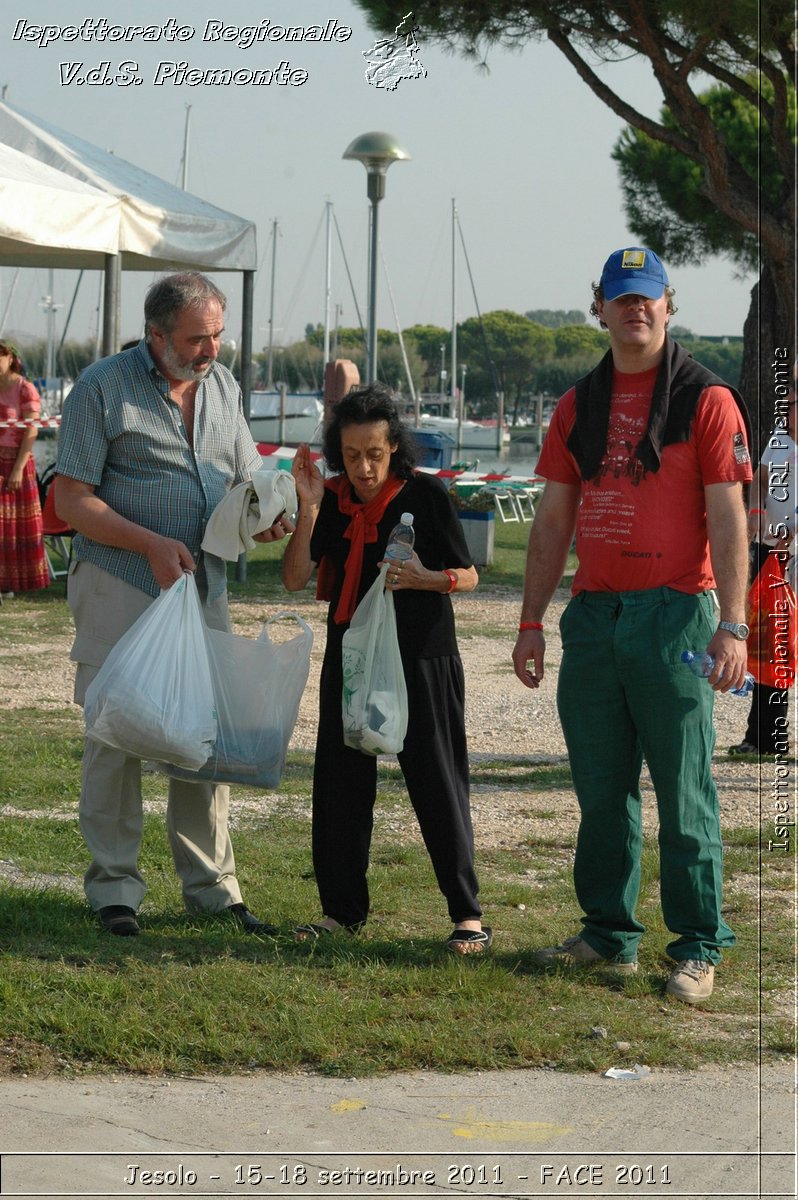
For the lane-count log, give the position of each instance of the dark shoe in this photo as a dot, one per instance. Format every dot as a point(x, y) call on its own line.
point(119, 919)
point(470, 941)
point(743, 748)
point(249, 922)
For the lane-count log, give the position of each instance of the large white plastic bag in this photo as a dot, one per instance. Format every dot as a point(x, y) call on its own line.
point(258, 685)
point(153, 695)
point(375, 693)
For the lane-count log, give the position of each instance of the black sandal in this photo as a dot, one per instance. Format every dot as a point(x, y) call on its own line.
point(310, 932)
point(470, 941)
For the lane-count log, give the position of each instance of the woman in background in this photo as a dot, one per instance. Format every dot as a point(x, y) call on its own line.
point(23, 565)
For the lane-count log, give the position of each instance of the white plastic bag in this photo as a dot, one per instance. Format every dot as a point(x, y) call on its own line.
point(258, 685)
point(153, 696)
point(374, 693)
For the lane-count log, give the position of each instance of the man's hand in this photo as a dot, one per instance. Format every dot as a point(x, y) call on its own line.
point(168, 559)
point(731, 661)
point(276, 531)
point(530, 646)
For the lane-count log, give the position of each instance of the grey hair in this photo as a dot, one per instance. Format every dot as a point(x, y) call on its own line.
point(172, 294)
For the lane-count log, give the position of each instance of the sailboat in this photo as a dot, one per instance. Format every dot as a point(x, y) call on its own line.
point(277, 416)
point(467, 435)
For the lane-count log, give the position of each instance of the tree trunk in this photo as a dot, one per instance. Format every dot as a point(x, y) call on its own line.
point(769, 349)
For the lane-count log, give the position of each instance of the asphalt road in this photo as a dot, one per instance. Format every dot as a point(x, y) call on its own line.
point(712, 1133)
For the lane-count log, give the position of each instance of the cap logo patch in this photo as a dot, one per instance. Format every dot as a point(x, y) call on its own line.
point(634, 260)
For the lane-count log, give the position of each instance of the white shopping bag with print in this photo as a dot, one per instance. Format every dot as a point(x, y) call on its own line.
point(374, 696)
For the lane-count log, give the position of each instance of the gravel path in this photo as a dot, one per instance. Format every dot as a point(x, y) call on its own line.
point(504, 719)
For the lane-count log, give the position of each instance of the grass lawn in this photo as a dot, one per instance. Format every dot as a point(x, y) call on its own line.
point(194, 995)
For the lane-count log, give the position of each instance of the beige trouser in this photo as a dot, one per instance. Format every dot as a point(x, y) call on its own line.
point(111, 816)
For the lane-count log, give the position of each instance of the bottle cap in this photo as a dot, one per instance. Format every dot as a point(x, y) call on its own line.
point(407, 518)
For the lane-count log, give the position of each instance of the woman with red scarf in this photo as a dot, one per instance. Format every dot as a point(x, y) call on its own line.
point(23, 564)
point(342, 527)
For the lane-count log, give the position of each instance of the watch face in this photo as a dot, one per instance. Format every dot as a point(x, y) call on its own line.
point(740, 631)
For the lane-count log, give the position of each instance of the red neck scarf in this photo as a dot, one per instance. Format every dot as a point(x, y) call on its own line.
point(362, 528)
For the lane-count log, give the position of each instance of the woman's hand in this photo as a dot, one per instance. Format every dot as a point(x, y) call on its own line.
point(408, 573)
point(14, 480)
point(308, 478)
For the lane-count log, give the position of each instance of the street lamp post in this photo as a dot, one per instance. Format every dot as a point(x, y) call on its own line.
point(376, 151)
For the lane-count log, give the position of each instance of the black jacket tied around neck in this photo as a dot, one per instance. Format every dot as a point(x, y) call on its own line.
point(679, 383)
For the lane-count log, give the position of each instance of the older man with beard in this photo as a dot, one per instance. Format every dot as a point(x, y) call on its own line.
point(151, 440)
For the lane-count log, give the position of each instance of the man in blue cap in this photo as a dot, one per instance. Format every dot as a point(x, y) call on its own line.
point(645, 459)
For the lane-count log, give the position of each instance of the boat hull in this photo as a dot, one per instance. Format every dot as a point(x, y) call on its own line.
point(301, 420)
point(473, 435)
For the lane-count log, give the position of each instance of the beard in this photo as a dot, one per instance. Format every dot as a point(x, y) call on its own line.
point(188, 370)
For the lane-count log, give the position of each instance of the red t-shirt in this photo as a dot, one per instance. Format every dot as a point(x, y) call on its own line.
point(639, 529)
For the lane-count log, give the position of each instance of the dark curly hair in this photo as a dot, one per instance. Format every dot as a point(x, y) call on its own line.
point(364, 406)
point(598, 296)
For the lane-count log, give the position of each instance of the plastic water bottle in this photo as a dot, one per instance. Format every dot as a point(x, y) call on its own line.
point(703, 664)
point(401, 540)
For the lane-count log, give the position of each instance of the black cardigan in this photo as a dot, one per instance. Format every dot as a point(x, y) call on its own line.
point(679, 383)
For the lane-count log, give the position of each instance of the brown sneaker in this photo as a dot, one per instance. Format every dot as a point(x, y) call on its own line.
point(576, 952)
point(691, 980)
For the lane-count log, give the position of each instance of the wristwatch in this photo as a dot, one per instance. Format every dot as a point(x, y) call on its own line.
point(740, 631)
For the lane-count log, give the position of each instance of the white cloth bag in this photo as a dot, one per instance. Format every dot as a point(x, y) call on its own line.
point(374, 700)
point(247, 509)
point(153, 695)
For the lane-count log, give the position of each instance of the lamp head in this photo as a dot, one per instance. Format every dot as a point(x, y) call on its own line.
point(376, 151)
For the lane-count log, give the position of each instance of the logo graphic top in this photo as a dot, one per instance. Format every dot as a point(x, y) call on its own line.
point(390, 60)
point(634, 259)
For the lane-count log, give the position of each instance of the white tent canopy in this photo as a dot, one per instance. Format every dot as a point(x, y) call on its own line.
point(161, 227)
point(51, 219)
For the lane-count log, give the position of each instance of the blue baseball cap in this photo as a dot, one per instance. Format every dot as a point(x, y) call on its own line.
point(637, 271)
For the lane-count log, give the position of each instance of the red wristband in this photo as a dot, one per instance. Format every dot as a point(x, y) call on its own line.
point(450, 575)
point(529, 625)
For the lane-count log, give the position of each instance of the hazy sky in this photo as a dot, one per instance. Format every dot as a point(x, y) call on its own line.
point(524, 151)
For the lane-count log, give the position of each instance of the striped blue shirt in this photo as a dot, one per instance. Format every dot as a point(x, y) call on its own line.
point(121, 433)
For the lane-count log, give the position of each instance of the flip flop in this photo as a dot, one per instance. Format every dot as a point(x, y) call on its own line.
point(314, 931)
point(470, 941)
point(306, 933)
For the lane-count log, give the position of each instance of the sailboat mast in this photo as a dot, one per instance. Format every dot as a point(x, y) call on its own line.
point(185, 148)
point(456, 404)
point(328, 283)
point(270, 360)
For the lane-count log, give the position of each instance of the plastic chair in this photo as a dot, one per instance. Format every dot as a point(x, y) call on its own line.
point(56, 532)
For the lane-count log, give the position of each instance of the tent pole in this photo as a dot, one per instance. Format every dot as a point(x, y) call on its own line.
point(247, 305)
point(111, 305)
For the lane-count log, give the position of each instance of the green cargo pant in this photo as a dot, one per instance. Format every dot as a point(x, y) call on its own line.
point(624, 695)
